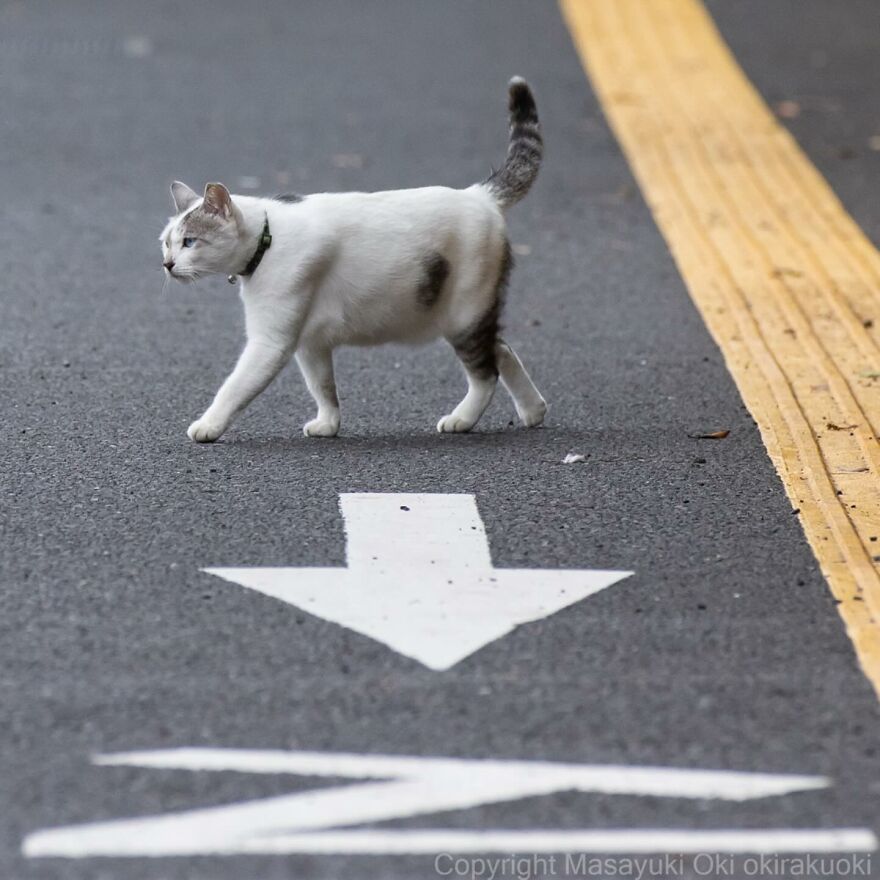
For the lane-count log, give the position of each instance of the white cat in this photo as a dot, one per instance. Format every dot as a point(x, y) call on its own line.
point(331, 269)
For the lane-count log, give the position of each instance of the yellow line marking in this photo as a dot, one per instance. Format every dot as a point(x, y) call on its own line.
point(785, 280)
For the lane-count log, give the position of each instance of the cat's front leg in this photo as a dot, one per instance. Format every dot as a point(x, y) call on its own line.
point(316, 364)
point(204, 431)
point(258, 365)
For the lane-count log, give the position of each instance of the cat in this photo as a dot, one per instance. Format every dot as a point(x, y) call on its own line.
point(331, 269)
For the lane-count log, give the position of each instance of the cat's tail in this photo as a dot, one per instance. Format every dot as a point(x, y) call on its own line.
point(514, 179)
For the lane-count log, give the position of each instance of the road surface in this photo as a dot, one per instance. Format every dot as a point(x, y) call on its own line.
point(723, 651)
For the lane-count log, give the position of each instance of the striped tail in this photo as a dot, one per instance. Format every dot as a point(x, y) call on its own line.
point(511, 182)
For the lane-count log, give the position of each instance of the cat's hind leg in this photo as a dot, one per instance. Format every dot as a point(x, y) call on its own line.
point(530, 406)
point(468, 412)
point(316, 364)
point(476, 350)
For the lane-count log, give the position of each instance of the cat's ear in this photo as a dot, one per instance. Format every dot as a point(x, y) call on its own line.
point(183, 196)
point(218, 201)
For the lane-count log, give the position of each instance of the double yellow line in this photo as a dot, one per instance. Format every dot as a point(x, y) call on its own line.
point(785, 280)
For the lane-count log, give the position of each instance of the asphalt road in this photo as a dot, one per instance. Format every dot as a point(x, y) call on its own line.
point(723, 651)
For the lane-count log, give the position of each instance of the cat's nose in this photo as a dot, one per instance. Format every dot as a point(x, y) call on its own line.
point(168, 264)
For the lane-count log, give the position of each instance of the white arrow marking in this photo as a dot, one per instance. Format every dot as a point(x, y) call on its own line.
point(420, 579)
point(418, 786)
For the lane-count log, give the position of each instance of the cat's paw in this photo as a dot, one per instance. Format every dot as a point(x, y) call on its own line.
point(321, 427)
point(203, 431)
point(453, 424)
point(534, 415)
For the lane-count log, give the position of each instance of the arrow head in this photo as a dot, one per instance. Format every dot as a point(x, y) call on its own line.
point(420, 579)
point(436, 620)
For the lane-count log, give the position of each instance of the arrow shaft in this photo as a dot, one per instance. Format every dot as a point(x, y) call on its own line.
point(414, 533)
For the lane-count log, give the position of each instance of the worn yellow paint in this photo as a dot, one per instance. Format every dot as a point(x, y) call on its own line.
point(785, 280)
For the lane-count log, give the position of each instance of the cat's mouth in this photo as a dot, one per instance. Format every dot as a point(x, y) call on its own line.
point(183, 277)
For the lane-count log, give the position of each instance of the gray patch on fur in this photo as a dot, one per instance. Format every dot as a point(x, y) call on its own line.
point(289, 198)
point(436, 269)
point(476, 348)
point(525, 150)
point(199, 222)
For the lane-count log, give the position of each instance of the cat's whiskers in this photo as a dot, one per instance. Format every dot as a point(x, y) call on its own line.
point(189, 276)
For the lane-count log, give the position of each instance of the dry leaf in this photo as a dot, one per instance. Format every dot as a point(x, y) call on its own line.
point(714, 435)
point(788, 109)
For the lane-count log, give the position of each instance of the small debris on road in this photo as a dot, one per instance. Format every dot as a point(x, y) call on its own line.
point(788, 109)
point(348, 160)
point(786, 272)
point(714, 435)
point(574, 458)
point(137, 47)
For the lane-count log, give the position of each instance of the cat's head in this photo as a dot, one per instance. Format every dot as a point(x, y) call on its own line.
point(205, 237)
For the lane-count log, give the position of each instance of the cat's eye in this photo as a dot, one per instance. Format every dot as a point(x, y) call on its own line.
point(189, 242)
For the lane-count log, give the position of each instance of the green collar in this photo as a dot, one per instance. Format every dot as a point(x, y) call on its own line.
point(262, 246)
